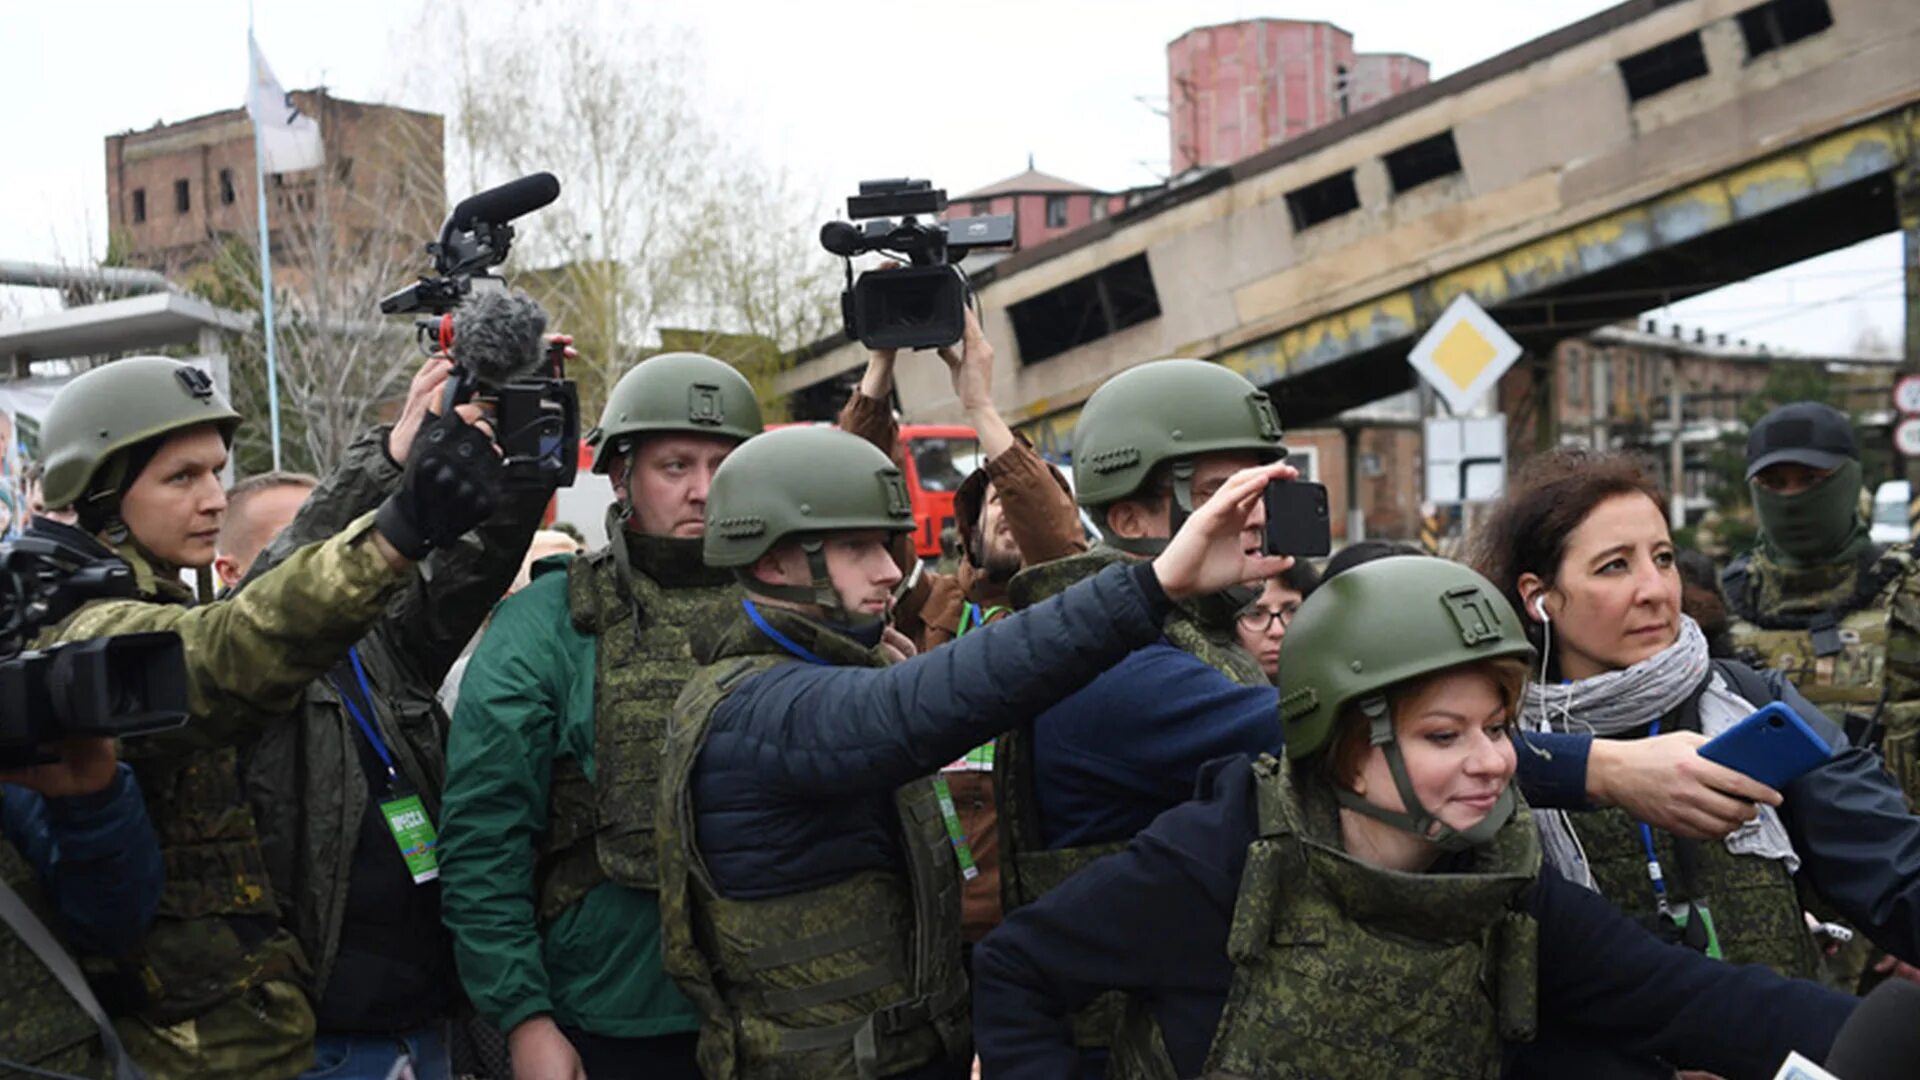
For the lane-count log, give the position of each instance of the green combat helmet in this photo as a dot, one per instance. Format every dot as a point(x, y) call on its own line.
point(1165, 411)
point(801, 482)
point(681, 393)
point(1443, 615)
point(99, 415)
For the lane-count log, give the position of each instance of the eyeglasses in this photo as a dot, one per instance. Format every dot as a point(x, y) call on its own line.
point(1258, 620)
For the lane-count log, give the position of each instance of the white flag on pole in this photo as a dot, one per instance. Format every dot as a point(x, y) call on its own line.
point(289, 139)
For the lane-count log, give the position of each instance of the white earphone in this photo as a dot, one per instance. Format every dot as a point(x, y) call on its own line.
point(1540, 607)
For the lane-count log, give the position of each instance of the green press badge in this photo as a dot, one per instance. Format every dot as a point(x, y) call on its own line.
point(413, 831)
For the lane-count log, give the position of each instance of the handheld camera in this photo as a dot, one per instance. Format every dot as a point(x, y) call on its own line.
point(118, 686)
point(922, 305)
point(536, 408)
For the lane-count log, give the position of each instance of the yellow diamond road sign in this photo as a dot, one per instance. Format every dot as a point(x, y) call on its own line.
point(1464, 354)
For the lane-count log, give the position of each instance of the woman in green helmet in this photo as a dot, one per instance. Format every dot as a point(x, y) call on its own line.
point(1376, 905)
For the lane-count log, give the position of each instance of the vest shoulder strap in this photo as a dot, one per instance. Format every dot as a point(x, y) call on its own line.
point(1746, 682)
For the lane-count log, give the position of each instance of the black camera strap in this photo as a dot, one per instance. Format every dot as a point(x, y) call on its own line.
point(24, 923)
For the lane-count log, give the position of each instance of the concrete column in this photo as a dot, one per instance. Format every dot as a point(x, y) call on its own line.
point(1677, 450)
point(1356, 512)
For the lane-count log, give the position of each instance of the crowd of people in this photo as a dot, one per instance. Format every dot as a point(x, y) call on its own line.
point(750, 792)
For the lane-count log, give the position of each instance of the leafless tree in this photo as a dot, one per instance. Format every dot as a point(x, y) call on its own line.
point(657, 224)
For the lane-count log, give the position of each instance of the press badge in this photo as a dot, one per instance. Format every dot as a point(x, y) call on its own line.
point(413, 831)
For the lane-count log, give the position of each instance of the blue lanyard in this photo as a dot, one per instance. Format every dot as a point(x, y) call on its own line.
point(776, 636)
point(353, 710)
point(1653, 860)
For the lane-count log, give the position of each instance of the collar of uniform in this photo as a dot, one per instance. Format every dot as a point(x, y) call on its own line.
point(1783, 590)
point(1036, 583)
point(672, 562)
point(153, 577)
point(1455, 898)
point(1216, 612)
point(735, 635)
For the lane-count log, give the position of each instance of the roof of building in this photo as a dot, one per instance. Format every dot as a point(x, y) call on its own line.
point(163, 127)
point(130, 325)
point(1030, 181)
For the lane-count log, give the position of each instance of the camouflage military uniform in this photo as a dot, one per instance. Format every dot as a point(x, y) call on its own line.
point(1314, 925)
point(41, 1026)
point(1029, 869)
point(861, 977)
point(215, 988)
point(603, 829)
point(1848, 636)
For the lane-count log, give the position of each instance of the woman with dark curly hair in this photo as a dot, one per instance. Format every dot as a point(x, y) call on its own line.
point(1579, 545)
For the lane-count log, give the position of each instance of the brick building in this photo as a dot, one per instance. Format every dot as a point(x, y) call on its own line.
point(174, 190)
point(1043, 207)
point(1236, 89)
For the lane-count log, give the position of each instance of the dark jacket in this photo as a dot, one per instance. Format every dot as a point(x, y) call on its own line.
point(308, 781)
point(1038, 506)
point(96, 856)
point(1154, 920)
point(1117, 754)
point(1859, 845)
point(793, 788)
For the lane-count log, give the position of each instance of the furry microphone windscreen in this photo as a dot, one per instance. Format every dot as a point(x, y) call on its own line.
point(497, 335)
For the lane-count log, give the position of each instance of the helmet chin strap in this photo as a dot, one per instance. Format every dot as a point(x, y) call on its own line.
point(818, 593)
point(1416, 819)
point(1179, 510)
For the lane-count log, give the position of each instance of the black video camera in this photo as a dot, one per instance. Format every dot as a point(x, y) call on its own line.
point(922, 305)
point(536, 414)
point(126, 684)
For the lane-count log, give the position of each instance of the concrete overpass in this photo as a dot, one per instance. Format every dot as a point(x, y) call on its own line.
point(1656, 150)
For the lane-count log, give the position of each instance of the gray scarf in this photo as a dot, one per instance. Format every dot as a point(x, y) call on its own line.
point(1616, 702)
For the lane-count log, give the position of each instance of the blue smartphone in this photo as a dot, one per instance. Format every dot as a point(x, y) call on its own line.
point(1774, 746)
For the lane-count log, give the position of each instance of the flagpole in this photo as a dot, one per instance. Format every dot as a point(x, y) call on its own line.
point(266, 275)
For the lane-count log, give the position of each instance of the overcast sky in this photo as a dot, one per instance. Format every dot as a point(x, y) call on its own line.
point(831, 90)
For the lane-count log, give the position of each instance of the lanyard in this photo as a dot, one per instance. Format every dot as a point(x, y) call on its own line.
point(366, 728)
point(1653, 860)
point(777, 637)
point(944, 794)
point(972, 618)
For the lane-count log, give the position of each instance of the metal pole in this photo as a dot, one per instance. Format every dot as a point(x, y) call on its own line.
point(266, 277)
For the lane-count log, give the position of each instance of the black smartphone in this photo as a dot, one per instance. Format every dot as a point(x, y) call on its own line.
point(1297, 519)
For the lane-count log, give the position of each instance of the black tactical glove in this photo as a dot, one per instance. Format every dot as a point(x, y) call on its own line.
point(452, 483)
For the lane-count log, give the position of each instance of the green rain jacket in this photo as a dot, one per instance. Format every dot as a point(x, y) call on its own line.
point(527, 701)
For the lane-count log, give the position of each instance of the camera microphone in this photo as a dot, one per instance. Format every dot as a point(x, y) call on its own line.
point(841, 238)
point(498, 336)
point(506, 202)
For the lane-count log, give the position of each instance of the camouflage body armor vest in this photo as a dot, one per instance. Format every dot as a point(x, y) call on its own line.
point(1831, 630)
point(1347, 969)
point(1824, 628)
point(1028, 870)
point(216, 931)
point(40, 1025)
point(638, 609)
point(861, 978)
point(1754, 905)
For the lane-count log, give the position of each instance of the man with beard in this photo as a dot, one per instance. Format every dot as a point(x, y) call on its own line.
point(1015, 510)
